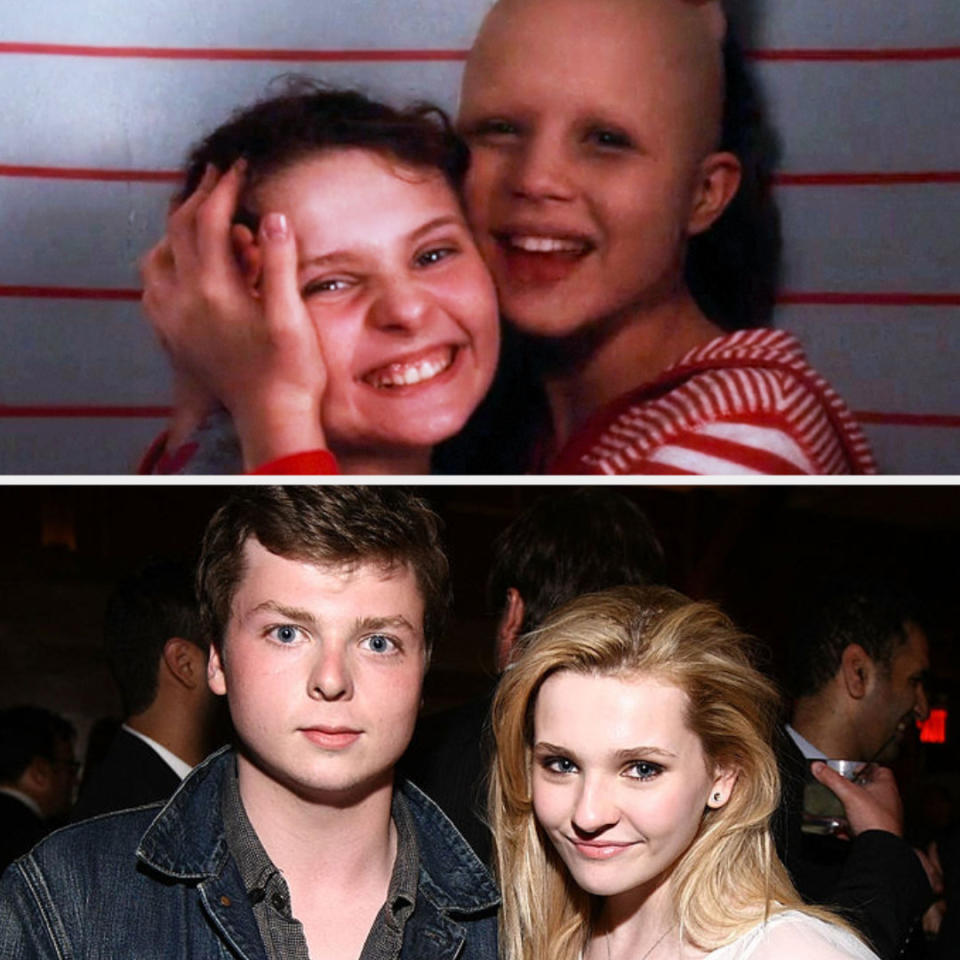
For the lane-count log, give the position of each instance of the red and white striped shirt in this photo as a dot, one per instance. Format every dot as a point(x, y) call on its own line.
point(744, 403)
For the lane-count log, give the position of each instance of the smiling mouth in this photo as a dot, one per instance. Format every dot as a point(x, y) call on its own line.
point(567, 246)
point(407, 373)
point(598, 850)
point(539, 261)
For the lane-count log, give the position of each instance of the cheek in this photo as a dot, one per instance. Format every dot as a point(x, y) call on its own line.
point(472, 297)
point(338, 335)
point(644, 213)
point(549, 802)
point(397, 694)
point(478, 185)
point(679, 817)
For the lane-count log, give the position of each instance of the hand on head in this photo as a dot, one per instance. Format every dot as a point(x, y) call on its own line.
point(228, 312)
point(871, 804)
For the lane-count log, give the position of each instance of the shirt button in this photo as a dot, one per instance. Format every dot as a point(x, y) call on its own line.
point(225, 901)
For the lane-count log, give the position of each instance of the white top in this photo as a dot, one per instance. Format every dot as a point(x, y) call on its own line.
point(793, 935)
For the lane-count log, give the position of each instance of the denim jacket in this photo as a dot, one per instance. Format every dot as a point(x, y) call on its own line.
point(158, 883)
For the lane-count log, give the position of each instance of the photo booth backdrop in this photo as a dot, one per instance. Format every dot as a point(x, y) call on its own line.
point(102, 99)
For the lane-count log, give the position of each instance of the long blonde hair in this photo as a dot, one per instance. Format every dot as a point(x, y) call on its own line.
point(730, 878)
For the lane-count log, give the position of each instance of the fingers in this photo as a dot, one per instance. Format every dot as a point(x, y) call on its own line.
point(157, 275)
point(214, 219)
point(199, 230)
point(873, 805)
point(934, 874)
point(830, 778)
point(180, 221)
point(282, 305)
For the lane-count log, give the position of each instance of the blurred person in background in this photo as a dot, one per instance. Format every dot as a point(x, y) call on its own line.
point(38, 775)
point(859, 660)
point(172, 720)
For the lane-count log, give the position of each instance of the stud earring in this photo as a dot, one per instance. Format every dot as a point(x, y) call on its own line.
point(716, 797)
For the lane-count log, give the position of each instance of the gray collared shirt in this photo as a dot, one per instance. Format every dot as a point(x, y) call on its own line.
point(269, 895)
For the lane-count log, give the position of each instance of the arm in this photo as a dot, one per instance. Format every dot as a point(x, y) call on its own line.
point(746, 446)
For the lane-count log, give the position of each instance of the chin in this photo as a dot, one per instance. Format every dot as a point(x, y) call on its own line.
point(599, 886)
point(545, 317)
point(430, 427)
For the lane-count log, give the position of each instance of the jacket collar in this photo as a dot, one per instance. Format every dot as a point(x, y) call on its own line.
point(186, 841)
point(451, 875)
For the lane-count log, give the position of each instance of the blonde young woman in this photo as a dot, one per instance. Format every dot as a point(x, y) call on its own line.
point(632, 790)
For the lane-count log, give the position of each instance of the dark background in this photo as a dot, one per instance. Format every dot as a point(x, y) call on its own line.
point(753, 549)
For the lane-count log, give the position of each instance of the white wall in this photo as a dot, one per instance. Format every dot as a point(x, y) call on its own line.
point(82, 385)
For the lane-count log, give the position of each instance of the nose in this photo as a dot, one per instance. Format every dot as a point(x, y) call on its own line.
point(403, 305)
point(540, 171)
point(330, 678)
point(595, 808)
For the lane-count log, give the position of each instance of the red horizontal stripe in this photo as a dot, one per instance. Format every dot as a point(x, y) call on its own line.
point(889, 53)
point(91, 173)
point(243, 53)
point(908, 419)
point(833, 298)
point(233, 53)
point(838, 179)
point(70, 293)
point(854, 179)
point(73, 411)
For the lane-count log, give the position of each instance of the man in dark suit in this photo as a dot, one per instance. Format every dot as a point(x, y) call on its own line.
point(159, 660)
point(38, 773)
point(860, 658)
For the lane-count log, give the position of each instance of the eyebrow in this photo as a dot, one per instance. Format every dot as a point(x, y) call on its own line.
point(380, 623)
point(336, 257)
point(621, 756)
point(633, 752)
point(301, 615)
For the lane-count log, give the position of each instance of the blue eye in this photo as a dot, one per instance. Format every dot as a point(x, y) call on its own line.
point(378, 643)
point(286, 633)
point(644, 770)
point(559, 765)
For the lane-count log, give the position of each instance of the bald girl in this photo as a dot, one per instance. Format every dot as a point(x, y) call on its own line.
point(593, 126)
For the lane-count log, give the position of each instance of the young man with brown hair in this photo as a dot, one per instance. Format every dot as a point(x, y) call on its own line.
point(321, 604)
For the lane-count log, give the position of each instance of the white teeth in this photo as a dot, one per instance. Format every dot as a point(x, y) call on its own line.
point(407, 374)
point(546, 245)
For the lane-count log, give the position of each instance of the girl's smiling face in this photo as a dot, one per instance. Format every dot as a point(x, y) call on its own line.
point(404, 307)
point(591, 164)
point(620, 782)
